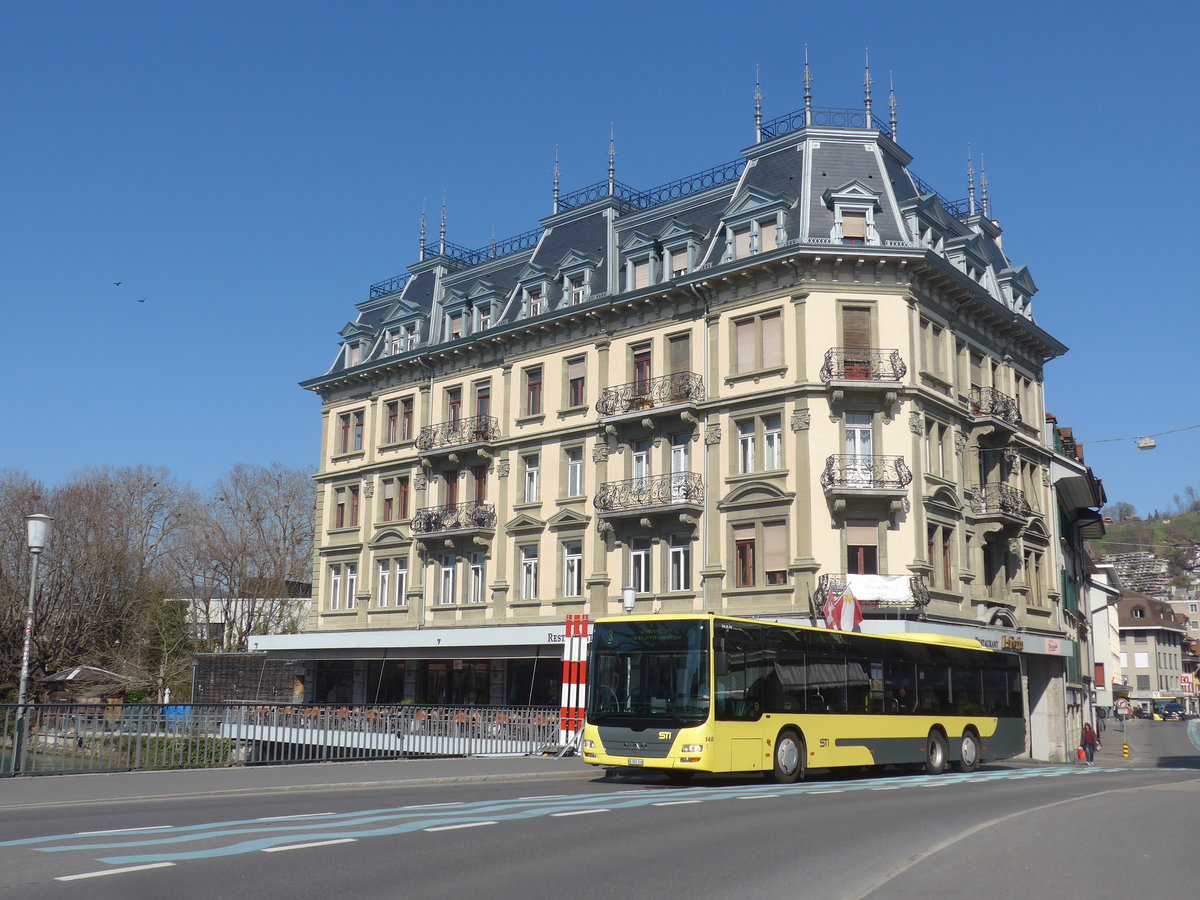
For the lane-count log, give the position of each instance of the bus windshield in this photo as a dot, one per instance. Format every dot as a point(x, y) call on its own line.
point(655, 671)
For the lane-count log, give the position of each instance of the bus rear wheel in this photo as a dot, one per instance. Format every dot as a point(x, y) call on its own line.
point(788, 759)
point(968, 757)
point(935, 754)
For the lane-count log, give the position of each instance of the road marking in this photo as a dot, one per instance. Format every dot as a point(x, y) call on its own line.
point(756, 796)
point(580, 812)
point(434, 805)
point(297, 816)
point(460, 825)
point(676, 803)
point(123, 830)
point(893, 788)
point(838, 791)
point(121, 871)
point(543, 797)
point(309, 844)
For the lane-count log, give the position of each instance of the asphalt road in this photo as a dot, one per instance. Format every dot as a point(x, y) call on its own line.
point(1022, 831)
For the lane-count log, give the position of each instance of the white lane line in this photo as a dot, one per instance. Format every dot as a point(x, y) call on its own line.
point(297, 816)
point(123, 830)
point(893, 788)
point(580, 812)
point(158, 865)
point(756, 796)
point(675, 803)
point(435, 805)
point(543, 797)
point(837, 791)
point(309, 844)
point(460, 825)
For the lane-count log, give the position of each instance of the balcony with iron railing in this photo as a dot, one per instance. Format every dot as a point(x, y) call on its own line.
point(863, 368)
point(640, 497)
point(865, 476)
point(874, 593)
point(1000, 502)
point(989, 403)
point(457, 434)
point(457, 519)
point(635, 399)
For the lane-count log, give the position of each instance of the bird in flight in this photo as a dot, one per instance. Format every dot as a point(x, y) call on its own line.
point(117, 283)
point(143, 300)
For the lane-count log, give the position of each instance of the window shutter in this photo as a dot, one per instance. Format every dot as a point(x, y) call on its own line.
point(681, 353)
point(772, 340)
point(775, 546)
point(741, 243)
point(856, 328)
point(862, 533)
point(746, 357)
point(854, 225)
point(641, 274)
point(575, 369)
point(767, 236)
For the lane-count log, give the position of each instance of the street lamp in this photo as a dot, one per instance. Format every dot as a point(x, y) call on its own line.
point(38, 532)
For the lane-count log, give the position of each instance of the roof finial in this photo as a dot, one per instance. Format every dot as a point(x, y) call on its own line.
point(556, 173)
point(757, 107)
point(421, 240)
point(442, 230)
point(987, 207)
point(808, 119)
point(970, 183)
point(892, 103)
point(612, 159)
point(493, 245)
point(867, 82)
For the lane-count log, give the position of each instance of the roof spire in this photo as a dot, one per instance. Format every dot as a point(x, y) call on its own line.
point(442, 230)
point(892, 103)
point(987, 207)
point(556, 174)
point(421, 239)
point(808, 119)
point(612, 159)
point(970, 183)
point(867, 82)
point(757, 107)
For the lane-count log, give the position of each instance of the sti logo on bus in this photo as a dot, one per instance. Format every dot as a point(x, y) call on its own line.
point(664, 735)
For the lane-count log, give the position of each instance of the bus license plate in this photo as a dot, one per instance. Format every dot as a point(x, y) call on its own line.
point(636, 762)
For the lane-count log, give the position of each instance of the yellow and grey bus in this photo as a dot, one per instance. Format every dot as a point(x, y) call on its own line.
point(706, 693)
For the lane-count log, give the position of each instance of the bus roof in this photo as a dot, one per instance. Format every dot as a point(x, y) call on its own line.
point(940, 640)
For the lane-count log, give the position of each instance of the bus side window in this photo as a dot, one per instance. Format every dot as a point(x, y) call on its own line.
point(899, 690)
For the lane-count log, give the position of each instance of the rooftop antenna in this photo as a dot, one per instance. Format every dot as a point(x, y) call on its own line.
point(556, 173)
point(757, 107)
point(970, 183)
point(867, 82)
point(421, 240)
point(493, 240)
point(612, 159)
point(892, 103)
point(808, 120)
point(442, 230)
point(987, 206)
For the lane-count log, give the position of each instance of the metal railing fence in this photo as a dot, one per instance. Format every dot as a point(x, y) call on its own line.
point(87, 737)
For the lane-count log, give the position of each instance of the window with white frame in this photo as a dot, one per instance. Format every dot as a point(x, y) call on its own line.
point(574, 460)
point(401, 579)
point(639, 565)
point(772, 442)
point(572, 568)
point(536, 302)
point(746, 453)
point(680, 562)
point(334, 601)
point(383, 583)
point(529, 572)
point(475, 592)
point(531, 463)
point(448, 565)
point(680, 466)
point(351, 586)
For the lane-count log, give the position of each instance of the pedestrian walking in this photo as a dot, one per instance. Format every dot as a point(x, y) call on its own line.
point(1088, 742)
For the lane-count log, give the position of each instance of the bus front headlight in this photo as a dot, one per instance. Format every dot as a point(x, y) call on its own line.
point(692, 748)
point(589, 745)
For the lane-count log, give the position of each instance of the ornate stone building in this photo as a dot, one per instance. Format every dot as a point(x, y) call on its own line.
point(746, 391)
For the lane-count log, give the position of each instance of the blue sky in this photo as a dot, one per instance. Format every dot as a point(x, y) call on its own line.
point(250, 168)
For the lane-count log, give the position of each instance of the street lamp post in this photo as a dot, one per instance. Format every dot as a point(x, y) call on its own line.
point(38, 533)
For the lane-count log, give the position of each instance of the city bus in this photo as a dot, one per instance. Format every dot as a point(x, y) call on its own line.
point(706, 693)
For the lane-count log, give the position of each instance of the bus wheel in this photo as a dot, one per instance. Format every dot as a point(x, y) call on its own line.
point(789, 757)
point(969, 755)
point(935, 755)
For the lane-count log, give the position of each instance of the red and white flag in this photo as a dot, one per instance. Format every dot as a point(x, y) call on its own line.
point(843, 613)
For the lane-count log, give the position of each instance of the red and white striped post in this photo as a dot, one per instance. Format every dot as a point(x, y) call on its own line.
point(574, 679)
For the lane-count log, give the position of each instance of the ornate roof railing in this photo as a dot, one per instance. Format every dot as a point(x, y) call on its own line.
point(1002, 499)
point(457, 432)
point(665, 390)
point(866, 473)
point(470, 516)
point(959, 209)
point(823, 116)
point(986, 401)
point(872, 592)
point(651, 492)
point(862, 364)
point(468, 257)
point(656, 196)
point(393, 285)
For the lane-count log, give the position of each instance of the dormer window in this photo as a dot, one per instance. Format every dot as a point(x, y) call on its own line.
point(741, 243)
point(454, 326)
point(578, 291)
point(485, 317)
point(678, 264)
point(1138, 612)
point(351, 355)
point(412, 337)
point(854, 227)
point(395, 343)
point(536, 303)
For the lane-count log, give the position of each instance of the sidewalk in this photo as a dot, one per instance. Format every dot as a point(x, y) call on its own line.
point(43, 790)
